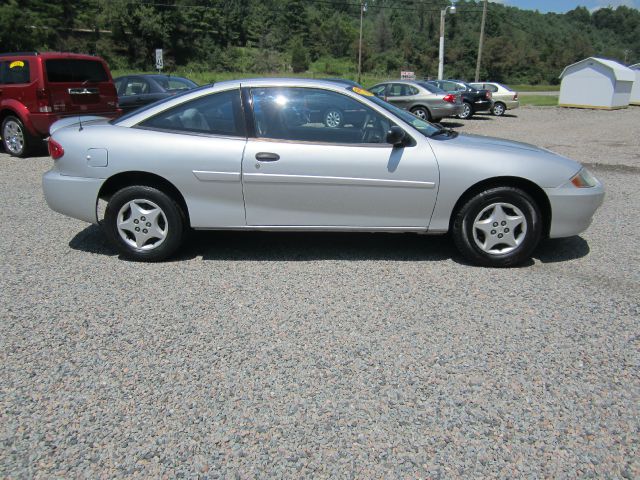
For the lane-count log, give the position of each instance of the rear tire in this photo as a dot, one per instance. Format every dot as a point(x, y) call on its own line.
point(422, 112)
point(16, 139)
point(144, 223)
point(467, 111)
point(499, 227)
point(498, 109)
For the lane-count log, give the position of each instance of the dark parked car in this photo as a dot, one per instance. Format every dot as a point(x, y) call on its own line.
point(474, 100)
point(37, 89)
point(135, 91)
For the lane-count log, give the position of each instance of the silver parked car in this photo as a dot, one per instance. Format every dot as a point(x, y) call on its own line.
point(423, 100)
point(247, 155)
point(503, 97)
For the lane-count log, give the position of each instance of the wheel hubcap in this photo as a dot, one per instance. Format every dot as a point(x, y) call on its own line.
point(499, 228)
point(142, 224)
point(466, 111)
point(333, 119)
point(420, 114)
point(498, 109)
point(13, 137)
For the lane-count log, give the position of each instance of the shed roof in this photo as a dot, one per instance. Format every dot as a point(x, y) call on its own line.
point(620, 71)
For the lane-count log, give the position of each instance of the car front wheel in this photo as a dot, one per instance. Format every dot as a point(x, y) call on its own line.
point(15, 138)
point(498, 109)
point(467, 111)
point(499, 227)
point(144, 223)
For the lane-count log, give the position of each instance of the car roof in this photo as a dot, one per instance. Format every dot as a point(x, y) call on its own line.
point(53, 55)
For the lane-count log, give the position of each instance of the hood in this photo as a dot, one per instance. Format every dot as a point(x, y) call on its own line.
point(493, 143)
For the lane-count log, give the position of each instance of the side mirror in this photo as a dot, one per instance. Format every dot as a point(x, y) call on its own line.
point(396, 136)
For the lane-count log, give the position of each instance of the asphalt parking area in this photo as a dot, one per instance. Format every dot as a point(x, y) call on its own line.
point(272, 355)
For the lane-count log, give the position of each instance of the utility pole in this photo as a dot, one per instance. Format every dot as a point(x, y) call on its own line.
point(484, 17)
point(363, 8)
point(626, 55)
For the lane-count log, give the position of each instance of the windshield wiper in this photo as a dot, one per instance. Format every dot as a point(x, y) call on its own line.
point(442, 130)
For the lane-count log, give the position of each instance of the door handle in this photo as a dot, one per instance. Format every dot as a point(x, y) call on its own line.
point(267, 157)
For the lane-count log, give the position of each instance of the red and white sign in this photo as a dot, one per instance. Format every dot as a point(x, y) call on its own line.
point(406, 75)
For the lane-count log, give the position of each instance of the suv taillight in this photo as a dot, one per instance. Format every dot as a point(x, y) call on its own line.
point(449, 98)
point(43, 101)
point(55, 149)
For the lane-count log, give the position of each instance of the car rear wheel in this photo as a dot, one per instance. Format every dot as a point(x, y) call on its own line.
point(498, 109)
point(144, 223)
point(16, 140)
point(333, 118)
point(421, 112)
point(467, 111)
point(499, 227)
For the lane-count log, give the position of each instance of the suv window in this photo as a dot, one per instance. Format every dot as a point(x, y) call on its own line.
point(216, 114)
point(315, 115)
point(14, 72)
point(72, 70)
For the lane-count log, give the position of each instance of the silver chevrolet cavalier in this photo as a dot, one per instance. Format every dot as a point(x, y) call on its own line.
point(257, 155)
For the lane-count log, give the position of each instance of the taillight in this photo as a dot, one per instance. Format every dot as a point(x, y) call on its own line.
point(488, 94)
point(449, 98)
point(515, 97)
point(43, 101)
point(55, 149)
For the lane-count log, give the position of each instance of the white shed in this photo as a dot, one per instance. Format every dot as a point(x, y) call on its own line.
point(596, 83)
point(635, 91)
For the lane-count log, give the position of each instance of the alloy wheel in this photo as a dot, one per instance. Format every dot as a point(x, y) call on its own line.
point(333, 119)
point(13, 137)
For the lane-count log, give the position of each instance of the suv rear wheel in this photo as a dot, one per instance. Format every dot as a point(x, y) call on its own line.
point(16, 140)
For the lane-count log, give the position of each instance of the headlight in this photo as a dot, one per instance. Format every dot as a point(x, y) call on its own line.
point(584, 179)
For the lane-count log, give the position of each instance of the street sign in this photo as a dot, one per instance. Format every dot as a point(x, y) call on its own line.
point(159, 61)
point(406, 75)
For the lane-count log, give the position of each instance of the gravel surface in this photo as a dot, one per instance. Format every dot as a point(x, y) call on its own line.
point(326, 355)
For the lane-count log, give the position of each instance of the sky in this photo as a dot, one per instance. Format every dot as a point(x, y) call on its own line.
point(561, 6)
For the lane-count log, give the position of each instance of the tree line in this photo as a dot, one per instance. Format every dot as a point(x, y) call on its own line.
point(278, 36)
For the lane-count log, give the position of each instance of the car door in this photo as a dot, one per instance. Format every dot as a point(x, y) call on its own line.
point(197, 145)
point(136, 93)
point(399, 94)
point(300, 173)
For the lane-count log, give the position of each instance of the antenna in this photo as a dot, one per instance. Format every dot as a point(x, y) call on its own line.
point(80, 120)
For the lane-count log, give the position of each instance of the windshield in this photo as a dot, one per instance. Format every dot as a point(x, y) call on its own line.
point(422, 126)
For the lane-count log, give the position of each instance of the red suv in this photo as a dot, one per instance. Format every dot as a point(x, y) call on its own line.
point(36, 89)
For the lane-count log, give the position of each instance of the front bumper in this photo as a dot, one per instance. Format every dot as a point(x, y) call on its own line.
point(572, 209)
point(75, 197)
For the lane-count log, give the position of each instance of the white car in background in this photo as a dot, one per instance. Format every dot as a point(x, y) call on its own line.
point(503, 97)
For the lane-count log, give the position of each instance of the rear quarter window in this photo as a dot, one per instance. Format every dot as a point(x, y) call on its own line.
point(14, 72)
point(70, 70)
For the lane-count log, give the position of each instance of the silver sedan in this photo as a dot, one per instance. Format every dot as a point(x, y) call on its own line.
point(250, 155)
point(426, 101)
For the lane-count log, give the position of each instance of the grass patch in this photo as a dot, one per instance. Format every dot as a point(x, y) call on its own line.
point(538, 100)
point(535, 88)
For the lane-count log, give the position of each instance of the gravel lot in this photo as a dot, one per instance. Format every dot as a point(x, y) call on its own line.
point(326, 355)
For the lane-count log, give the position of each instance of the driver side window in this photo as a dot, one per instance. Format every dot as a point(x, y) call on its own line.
point(316, 115)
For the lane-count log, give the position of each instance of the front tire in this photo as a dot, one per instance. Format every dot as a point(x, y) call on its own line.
point(467, 111)
point(499, 227)
point(498, 109)
point(16, 140)
point(144, 223)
